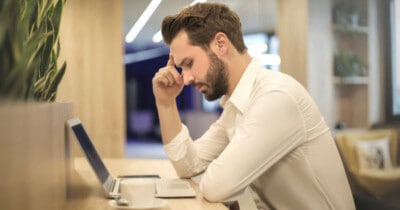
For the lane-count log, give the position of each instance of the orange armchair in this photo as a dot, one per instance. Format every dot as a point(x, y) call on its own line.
point(382, 177)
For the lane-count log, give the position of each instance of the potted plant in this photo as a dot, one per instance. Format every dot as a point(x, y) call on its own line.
point(29, 49)
point(347, 64)
point(34, 149)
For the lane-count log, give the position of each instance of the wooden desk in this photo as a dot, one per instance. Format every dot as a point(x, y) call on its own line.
point(85, 191)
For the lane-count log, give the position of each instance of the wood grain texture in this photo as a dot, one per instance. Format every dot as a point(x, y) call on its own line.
point(91, 43)
point(33, 155)
point(87, 192)
point(292, 30)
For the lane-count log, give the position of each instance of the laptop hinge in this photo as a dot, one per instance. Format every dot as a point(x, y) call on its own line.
point(115, 188)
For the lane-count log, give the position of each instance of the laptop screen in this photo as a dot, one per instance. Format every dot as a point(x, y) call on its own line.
point(89, 150)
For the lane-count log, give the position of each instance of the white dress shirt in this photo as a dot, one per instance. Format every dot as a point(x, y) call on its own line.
point(272, 136)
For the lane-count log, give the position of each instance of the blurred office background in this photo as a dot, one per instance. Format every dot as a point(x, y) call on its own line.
point(343, 52)
point(145, 53)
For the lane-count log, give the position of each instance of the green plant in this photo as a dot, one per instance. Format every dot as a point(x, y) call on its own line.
point(347, 64)
point(29, 49)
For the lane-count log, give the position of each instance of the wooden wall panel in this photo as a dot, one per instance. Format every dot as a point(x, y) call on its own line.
point(92, 44)
point(353, 105)
point(292, 32)
point(33, 157)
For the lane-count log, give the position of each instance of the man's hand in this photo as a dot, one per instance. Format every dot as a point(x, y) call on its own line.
point(167, 83)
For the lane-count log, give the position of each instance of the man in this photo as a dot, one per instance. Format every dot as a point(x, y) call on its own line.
point(270, 135)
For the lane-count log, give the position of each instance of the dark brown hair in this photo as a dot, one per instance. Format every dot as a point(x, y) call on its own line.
point(202, 22)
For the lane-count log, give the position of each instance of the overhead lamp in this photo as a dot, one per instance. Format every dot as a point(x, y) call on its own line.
point(197, 1)
point(134, 31)
point(158, 36)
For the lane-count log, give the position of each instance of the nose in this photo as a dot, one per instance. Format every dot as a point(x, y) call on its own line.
point(187, 78)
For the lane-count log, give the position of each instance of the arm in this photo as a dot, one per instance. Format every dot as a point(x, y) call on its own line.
point(167, 84)
point(190, 158)
point(271, 127)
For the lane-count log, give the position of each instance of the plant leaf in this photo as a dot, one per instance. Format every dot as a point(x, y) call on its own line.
point(29, 49)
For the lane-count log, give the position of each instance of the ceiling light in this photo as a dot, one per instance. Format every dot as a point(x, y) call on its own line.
point(197, 1)
point(157, 37)
point(134, 31)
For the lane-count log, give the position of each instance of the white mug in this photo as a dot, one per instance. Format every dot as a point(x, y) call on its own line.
point(138, 191)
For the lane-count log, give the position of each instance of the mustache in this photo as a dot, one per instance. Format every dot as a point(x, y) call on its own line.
point(194, 84)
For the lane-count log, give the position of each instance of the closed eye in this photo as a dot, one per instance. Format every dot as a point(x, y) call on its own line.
point(188, 63)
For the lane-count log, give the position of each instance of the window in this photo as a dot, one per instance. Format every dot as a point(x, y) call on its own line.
point(263, 46)
point(392, 63)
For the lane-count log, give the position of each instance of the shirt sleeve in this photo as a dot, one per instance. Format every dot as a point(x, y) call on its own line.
point(189, 157)
point(176, 149)
point(270, 127)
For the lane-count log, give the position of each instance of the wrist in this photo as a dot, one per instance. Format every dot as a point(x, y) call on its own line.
point(166, 104)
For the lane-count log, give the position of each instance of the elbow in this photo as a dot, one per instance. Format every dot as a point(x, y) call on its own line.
point(220, 189)
point(211, 195)
point(215, 192)
point(185, 173)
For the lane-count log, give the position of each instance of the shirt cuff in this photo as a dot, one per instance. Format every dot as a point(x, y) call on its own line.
point(176, 149)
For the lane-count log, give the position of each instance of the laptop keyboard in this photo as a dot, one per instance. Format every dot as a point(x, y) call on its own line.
point(174, 188)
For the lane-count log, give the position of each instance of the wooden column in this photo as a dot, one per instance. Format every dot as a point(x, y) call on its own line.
point(92, 44)
point(292, 32)
point(305, 48)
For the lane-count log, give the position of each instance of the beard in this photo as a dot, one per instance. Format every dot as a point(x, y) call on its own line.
point(217, 78)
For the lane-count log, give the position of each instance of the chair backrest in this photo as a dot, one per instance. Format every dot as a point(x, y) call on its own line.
point(347, 140)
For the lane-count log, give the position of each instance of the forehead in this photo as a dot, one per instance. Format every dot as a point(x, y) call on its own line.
point(181, 48)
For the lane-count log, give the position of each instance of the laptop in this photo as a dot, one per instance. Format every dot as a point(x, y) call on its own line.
point(165, 188)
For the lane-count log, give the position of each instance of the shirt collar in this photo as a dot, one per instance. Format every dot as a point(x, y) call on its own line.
point(242, 91)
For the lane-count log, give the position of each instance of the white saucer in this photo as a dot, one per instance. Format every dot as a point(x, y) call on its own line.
point(156, 204)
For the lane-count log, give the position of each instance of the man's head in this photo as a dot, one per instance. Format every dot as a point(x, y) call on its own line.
point(202, 22)
point(200, 68)
point(202, 39)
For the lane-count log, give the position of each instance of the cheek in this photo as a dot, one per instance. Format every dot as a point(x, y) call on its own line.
point(201, 73)
point(200, 69)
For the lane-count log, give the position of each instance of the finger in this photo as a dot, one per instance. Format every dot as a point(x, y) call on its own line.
point(177, 77)
point(171, 61)
point(160, 79)
point(170, 78)
point(167, 76)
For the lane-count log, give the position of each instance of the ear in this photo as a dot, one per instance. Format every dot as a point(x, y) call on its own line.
point(221, 43)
